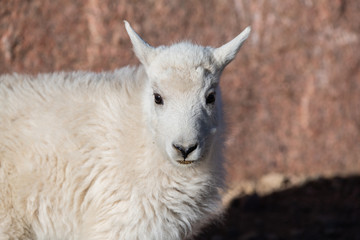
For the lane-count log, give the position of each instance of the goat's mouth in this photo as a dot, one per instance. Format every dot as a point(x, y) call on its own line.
point(185, 162)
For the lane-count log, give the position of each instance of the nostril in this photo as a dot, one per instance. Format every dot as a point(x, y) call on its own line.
point(192, 148)
point(178, 147)
point(185, 151)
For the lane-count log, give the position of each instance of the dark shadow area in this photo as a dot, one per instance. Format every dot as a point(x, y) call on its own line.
point(321, 209)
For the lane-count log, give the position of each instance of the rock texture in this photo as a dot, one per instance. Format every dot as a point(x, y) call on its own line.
point(292, 94)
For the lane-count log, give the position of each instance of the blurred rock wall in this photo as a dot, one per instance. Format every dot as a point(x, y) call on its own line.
point(292, 94)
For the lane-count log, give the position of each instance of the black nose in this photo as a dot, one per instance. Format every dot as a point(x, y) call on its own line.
point(185, 151)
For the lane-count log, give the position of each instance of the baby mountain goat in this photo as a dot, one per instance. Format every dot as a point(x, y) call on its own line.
point(131, 154)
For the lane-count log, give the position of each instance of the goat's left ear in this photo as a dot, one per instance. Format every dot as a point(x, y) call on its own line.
point(227, 52)
point(142, 49)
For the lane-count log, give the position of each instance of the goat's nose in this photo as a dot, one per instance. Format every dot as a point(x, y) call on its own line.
point(185, 151)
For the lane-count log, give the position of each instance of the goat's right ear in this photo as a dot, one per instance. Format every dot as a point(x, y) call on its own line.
point(142, 49)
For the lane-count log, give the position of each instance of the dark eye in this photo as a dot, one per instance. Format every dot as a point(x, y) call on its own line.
point(158, 99)
point(210, 99)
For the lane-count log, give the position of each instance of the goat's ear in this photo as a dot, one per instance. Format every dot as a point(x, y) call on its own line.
point(142, 49)
point(227, 52)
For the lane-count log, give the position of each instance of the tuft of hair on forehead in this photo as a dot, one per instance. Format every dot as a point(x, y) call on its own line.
point(185, 55)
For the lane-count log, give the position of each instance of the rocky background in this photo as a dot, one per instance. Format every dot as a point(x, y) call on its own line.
point(292, 94)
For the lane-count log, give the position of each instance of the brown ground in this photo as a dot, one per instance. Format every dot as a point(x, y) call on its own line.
point(320, 209)
point(292, 95)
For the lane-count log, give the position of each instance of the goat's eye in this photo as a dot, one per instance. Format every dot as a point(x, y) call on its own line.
point(210, 99)
point(158, 99)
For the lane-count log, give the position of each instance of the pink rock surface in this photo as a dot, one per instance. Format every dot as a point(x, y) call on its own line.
point(292, 95)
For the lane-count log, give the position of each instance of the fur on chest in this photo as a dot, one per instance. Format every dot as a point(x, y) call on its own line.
point(172, 207)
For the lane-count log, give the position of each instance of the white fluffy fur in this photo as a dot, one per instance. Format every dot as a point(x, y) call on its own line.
point(90, 155)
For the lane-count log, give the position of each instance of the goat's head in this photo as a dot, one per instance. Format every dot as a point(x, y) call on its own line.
point(182, 98)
